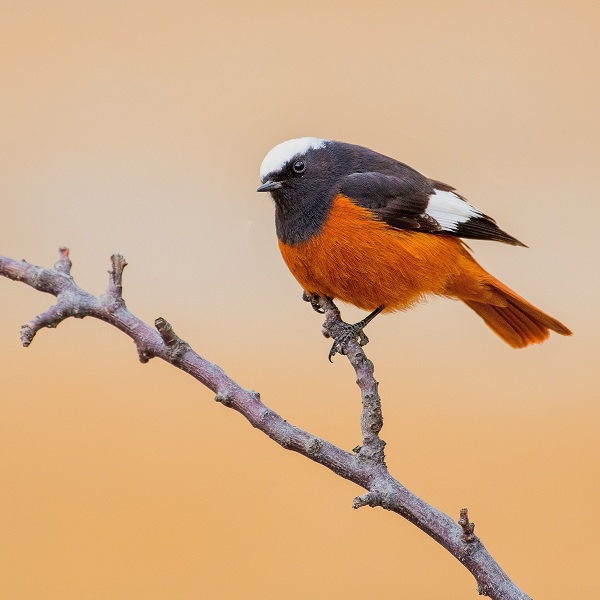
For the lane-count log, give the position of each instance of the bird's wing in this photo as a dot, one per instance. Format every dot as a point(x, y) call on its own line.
point(410, 200)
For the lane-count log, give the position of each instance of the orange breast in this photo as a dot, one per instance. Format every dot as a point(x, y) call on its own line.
point(361, 260)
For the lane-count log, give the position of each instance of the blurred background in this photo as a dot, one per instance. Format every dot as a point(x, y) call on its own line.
point(139, 127)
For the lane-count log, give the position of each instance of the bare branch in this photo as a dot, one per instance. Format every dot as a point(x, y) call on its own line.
point(366, 467)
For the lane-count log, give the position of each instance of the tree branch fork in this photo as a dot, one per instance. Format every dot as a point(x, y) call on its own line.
point(365, 465)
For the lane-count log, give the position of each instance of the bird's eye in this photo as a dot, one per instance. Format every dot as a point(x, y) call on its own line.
point(299, 167)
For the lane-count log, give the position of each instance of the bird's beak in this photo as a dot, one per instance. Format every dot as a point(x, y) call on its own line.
point(269, 186)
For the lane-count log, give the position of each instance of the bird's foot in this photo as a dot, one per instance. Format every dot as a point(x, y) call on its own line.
point(314, 302)
point(346, 334)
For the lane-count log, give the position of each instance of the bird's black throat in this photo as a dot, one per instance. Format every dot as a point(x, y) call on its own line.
point(301, 211)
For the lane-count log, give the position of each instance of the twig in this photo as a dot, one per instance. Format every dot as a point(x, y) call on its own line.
point(468, 528)
point(366, 467)
point(371, 420)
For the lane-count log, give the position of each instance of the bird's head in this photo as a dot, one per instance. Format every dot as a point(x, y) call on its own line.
point(295, 169)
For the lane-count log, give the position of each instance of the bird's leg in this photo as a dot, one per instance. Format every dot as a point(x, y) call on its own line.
point(314, 302)
point(352, 332)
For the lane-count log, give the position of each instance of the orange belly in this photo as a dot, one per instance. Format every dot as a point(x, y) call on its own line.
point(364, 262)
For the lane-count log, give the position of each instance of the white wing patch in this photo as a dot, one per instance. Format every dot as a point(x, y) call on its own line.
point(284, 152)
point(449, 210)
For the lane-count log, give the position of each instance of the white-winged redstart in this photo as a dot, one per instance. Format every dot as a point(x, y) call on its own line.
point(366, 229)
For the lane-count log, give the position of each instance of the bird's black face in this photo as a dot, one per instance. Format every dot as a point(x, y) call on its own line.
point(301, 178)
point(295, 171)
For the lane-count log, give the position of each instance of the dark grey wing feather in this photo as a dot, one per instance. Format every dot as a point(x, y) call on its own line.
point(402, 200)
point(398, 201)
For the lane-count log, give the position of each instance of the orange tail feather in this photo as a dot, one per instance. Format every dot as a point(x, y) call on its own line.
point(515, 320)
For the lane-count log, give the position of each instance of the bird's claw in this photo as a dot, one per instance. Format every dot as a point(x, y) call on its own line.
point(314, 302)
point(347, 334)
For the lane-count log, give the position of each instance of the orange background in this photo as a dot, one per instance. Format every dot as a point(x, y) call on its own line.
point(139, 127)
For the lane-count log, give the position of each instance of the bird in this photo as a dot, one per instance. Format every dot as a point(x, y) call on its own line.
point(357, 226)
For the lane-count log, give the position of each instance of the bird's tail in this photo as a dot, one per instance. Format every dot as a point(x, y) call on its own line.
point(511, 317)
